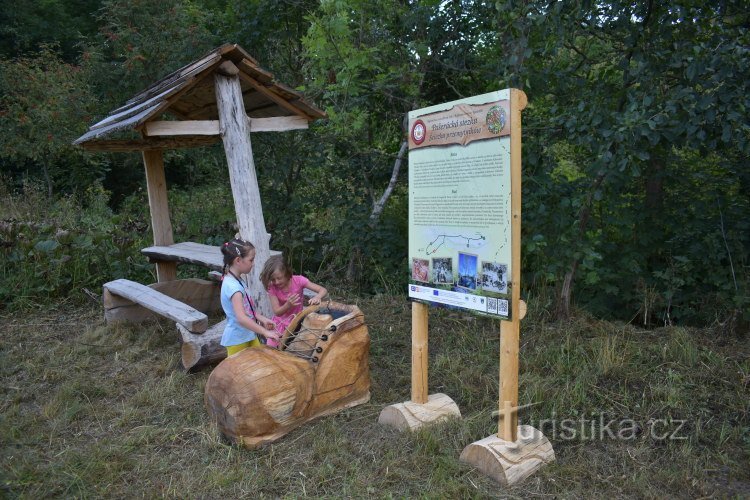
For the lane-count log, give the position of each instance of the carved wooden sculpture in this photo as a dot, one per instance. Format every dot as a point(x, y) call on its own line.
point(260, 394)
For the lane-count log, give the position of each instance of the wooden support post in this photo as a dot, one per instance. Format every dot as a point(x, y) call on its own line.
point(419, 329)
point(235, 131)
point(510, 330)
point(515, 452)
point(509, 343)
point(424, 408)
point(161, 226)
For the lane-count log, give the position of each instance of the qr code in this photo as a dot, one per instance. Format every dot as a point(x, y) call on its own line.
point(502, 307)
point(491, 305)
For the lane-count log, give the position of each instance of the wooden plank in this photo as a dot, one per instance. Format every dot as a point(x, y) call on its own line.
point(199, 294)
point(163, 305)
point(150, 143)
point(242, 177)
point(211, 127)
point(252, 68)
point(184, 72)
point(278, 124)
point(188, 252)
point(189, 127)
point(159, 91)
point(133, 115)
point(128, 123)
point(510, 330)
point(161, 226)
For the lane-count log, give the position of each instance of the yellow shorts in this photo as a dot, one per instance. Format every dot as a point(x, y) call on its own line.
point(234, 349)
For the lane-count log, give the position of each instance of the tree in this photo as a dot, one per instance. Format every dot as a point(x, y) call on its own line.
point(44, 105)
point(660, 80)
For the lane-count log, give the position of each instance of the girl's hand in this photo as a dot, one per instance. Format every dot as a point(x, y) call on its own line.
point(269, 325)
point(293, 300)
point(314, 300)
point(271, 334)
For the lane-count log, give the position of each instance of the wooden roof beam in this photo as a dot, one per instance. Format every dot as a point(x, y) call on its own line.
point(273, 96)
point(212, 127)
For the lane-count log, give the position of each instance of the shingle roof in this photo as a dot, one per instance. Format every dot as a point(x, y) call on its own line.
point(188, 94)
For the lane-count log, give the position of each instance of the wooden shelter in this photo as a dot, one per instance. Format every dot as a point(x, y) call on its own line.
point(222, 96)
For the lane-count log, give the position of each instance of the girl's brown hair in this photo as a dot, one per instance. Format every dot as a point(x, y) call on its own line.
point(233, 249)
point(273, 264)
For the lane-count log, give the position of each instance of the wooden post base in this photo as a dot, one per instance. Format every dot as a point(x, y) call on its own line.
point(510, 463)
point(411, 416)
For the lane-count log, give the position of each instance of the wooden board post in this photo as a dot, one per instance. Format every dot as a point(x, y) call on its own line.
point(514, 453)
point(510, 330)
point(419, 326)
point(424, 408)
point(235, 132)
point(161, 226)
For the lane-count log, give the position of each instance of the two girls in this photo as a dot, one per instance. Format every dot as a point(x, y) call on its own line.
point(285, 291)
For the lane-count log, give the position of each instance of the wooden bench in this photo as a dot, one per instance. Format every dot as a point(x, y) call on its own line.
point(163, 305)
point(190, 253)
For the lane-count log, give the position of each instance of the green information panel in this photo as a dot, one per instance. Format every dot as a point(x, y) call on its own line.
point(460, 204)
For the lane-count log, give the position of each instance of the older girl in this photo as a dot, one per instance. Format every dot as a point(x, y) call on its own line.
point(244, 324)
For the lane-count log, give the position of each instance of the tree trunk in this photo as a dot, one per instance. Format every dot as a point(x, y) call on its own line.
point(566, 291)
point(378, 206)
point(235, 132)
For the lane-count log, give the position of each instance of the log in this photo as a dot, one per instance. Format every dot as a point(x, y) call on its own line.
point(509, 463)
point(242, 177)
point(157, 202)
point(201, 350)
point(161, 304)
point(411, 416)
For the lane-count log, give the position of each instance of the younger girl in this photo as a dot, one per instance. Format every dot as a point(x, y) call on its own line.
point(285, 292)
point(243, 323)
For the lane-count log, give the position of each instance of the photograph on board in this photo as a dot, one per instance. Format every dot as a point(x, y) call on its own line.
point(442, 270)
point(494, 277)
point(467, 270)
point(420, 270)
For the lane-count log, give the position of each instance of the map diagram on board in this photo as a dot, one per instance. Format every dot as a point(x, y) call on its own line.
point(454, 241)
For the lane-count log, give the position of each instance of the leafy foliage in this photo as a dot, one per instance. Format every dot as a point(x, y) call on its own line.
point(635, 137)
point(44, 104)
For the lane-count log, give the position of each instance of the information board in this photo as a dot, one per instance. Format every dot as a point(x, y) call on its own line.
point(460, 204)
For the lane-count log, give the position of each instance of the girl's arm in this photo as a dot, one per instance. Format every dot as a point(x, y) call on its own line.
point(320, 292)
point(266, 322)
point(247, 322)
point(281, 309)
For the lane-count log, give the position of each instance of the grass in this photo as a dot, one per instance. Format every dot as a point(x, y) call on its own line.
point(94, 411)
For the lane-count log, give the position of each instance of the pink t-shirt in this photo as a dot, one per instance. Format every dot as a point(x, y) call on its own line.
point(296, 285)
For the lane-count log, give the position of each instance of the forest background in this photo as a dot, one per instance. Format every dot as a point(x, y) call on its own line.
point(636, 191)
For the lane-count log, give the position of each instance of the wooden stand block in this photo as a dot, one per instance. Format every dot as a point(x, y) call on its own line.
point(412, 416)
point(509, 463)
